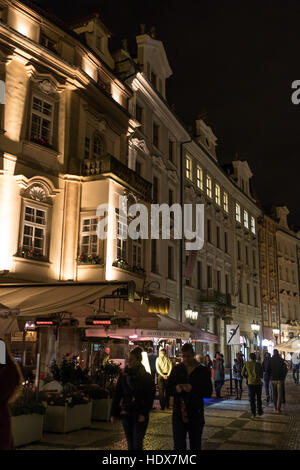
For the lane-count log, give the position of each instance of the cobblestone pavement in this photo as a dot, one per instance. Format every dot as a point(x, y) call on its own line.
point(228, 427)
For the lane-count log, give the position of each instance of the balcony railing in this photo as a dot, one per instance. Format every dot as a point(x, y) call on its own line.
point(211, 295)
point(109, 165)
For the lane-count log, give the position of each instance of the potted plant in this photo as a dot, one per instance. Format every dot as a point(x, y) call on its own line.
point(101, 396)
point(123, 264)
point(66, 412)
point(27, 418)
point(72, 409)
point(85, 258)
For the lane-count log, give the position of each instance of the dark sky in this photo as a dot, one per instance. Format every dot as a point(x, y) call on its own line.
point(236, 59)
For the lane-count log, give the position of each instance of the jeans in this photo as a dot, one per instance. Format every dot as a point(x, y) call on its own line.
point(193, 428)
point(238, 385)
point(296, 375)
point(134, 431)
point(277, 387)
point(267, 387)
point(255, 396)
point(218, 386)
point(163, 395)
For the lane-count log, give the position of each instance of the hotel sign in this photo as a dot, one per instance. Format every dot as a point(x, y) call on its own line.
point(166, 334)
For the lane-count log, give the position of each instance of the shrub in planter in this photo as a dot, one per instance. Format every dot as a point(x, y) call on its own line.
point(67, 412)
point(69, 372)
point(27, 418)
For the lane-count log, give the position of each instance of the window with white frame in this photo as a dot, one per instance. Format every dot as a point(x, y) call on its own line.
point(199, 177)
point(218, 194)
point(121, 239)
point(237, 212)
point(137, 257)
point(209, 186)
point(34, 230)
point(225, 202)
point(188, 167)
point(253, 229)
point(88, 236)
point(41, 121)
point(246, 219)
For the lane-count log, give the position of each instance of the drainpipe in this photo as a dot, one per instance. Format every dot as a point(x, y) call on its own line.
point(182, 176)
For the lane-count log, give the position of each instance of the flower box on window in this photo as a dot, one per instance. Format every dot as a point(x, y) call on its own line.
point(85, 258)
point(123, 264)
point(26, 253)
point(41, 141)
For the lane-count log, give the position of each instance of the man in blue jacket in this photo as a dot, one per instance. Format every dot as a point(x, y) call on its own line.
point(189, 383)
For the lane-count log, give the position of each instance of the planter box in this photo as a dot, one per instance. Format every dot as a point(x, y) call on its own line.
point(64, 419)
point(27, 429)
point(101, 409)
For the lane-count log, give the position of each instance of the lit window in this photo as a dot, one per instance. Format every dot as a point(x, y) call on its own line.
point(41, 121)
point(88, 236)
point(218, 194)
point(188, 167)
point(253, 230)
point(199, 177)
point(34, 229)
point(237, 212)
point(246, 219)
point(225, 201)
point(122, 239)
point(208, 186)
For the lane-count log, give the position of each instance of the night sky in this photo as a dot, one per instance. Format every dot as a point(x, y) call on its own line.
point(235, 59)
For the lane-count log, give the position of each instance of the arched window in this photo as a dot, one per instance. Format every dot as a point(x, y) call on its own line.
point(98, 147)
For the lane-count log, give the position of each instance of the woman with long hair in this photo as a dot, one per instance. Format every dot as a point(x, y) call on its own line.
point(10, 380)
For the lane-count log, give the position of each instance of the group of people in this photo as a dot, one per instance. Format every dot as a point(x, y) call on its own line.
point(272, 372)
point(185, 386)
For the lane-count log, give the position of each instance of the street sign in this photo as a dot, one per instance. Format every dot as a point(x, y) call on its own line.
point(233, 334)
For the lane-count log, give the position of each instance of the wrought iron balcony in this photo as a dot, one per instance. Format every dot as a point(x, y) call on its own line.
point(213, 296)
point(111, 166)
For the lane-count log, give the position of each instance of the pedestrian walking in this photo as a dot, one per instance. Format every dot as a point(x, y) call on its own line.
point(189, 383)
point(163, 369)
point(238, 379)
point(277, 371)
point(218, 373)
point(295, 367)
point(133, 400)
point(254, 373)
point(10, 380)
point(152, 362)
point(265, 366)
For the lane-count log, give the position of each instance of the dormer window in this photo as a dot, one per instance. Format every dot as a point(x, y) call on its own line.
point(48, 43)
point(98, 42)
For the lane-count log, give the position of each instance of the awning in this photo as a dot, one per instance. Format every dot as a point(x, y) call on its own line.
point(45, 299)
point(289, 346)
point(167, 328)
point(8, 320)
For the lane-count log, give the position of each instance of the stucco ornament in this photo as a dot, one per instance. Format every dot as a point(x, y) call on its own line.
point(46, 87)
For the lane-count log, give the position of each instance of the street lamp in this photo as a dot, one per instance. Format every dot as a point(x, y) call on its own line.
point(255, 327)
point(191, 314)
point(276, 333)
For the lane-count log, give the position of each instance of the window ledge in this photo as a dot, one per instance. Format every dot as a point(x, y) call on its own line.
point(41, 261)
point(31, 143)
point(89, 265)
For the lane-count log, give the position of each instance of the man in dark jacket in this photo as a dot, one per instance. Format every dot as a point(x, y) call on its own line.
point(136, 389)
point(189, 383)
point(10, 379)
point(277, 371)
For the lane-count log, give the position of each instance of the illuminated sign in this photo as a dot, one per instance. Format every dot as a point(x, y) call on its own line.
point(98, 321)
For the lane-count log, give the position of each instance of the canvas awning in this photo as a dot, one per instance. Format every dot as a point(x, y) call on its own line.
point(34, 299)
point(289, 346)
point(8, 320)
point(167, 328)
